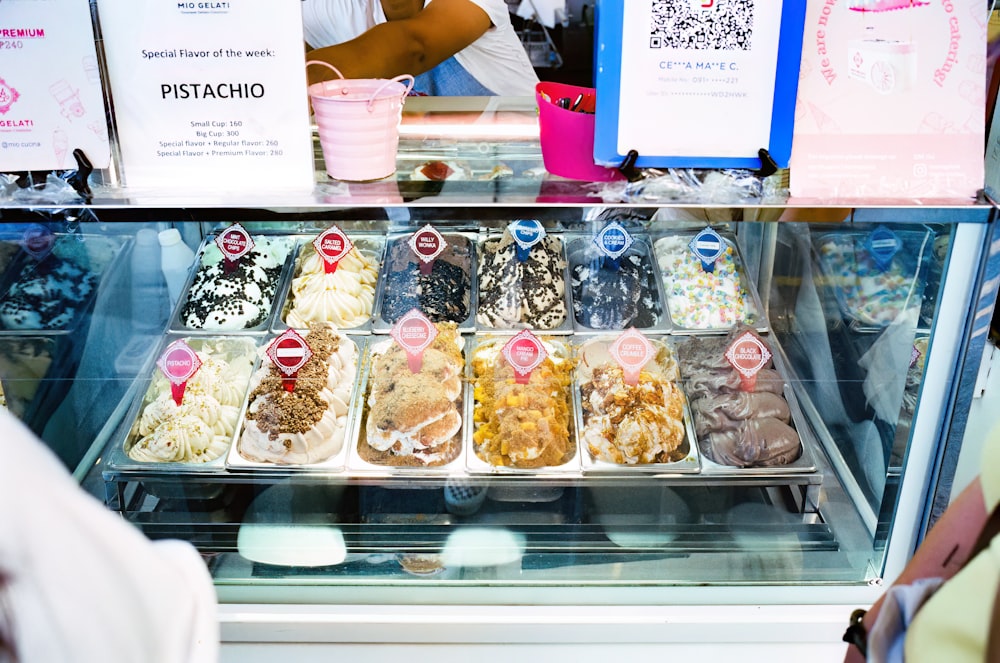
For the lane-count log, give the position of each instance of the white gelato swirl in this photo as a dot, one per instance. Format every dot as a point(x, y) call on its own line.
point(343, 298)
point(183, 439)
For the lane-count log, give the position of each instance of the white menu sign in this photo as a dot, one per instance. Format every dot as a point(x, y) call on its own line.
point(51, 101)
point(209, 95)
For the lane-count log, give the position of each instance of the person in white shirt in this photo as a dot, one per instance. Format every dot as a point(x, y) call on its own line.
point(80, 585)
point(452, 47)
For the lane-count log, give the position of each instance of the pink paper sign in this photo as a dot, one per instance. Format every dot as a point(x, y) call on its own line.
point(178, 363)
point(632, 351)
point(414, 333)
point(524, 352)
point(748, 354)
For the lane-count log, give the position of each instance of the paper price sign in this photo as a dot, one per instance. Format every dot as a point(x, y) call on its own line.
point(178, 363)
point(414, 333)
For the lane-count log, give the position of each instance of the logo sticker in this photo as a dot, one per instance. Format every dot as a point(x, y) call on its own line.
point(8, 95)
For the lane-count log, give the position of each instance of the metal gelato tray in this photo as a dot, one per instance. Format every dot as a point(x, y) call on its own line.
point(467, 243)
point(236, 462)
point(490, 347)
point(177, 324)
point(682, 298)
point(581, 251)
point(370, 244)
point(870, 296)
point(804, 464)
point(596, 352)
point(563, 328)
point(363, 458)
point(151, 385)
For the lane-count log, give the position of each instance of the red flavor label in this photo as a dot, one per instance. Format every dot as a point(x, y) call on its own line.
point(414, 333)
point(524, 352)
point(234, 242)
point(632, 351)
point(748, 354)
point(178, 363)
point(427, 244)
point(289, 353)
point(332, 245)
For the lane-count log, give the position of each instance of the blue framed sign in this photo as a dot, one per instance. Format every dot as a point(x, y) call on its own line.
point(697, 83)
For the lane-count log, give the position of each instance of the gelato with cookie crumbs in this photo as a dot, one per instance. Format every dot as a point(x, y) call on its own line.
point(516, 293)
point(308, 424)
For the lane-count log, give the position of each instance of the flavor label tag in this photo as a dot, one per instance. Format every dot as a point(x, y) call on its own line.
point(613, 241)
point(332, 245)
point(526, 233)
point(414, 333)
point(234, 242)
point(37, 241)
point(524, 352)
point(748, 354)
point(708, 246)
point(427, 244)
point(883, 245)
point(289, 353)
point(178, 363)
point(632, 351)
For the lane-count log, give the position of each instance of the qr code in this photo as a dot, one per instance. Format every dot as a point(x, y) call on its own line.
point(721, 25)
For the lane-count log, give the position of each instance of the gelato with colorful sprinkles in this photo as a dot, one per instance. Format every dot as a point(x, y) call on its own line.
point(865, 291)
point(698, 299)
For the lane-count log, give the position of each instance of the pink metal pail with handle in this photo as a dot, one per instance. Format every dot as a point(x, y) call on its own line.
point(567, 136)
point(358, 122)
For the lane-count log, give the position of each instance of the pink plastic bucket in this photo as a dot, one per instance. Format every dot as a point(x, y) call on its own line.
point(358, 122)
point(567, 136)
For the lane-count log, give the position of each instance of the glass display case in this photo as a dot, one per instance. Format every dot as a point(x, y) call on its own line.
point(690, 509)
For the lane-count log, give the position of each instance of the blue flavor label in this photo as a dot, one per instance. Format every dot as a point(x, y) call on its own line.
point(613, 241)
point(708, 246)
point(526, 233)
point(883, 245)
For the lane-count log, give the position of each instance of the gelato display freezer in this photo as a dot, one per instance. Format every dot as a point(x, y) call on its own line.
point(534, 439)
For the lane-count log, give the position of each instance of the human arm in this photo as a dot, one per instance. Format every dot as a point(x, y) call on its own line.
point(407, 45)
point(943, 552)
point(396, 10)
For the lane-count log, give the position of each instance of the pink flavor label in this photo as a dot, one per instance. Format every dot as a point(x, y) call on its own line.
point(632, 351)
point(332, 245)
point(524, 352)
point(234, 242)
point(178, 363)
point(427, 244)
point(748, 354)
point(289, 353)
point(414, 333)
